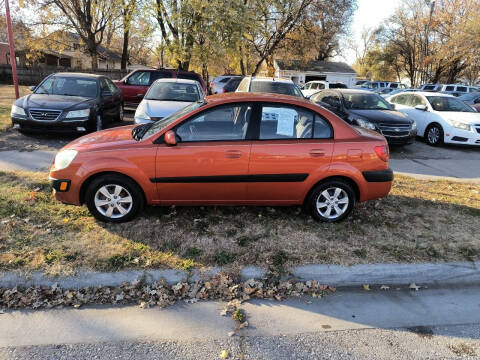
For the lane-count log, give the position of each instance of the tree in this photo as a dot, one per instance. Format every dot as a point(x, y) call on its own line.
point(89, 19)
point(271, 21)
point(128, 9)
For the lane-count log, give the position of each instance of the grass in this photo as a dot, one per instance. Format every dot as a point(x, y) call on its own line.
point(7, 97)
point(419, 221)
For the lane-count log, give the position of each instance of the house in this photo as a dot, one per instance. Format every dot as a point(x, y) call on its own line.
point(300, 72)
point(4, 53)
point(65, 50)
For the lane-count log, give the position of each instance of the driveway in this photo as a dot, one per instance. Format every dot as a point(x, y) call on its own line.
point(421, 160)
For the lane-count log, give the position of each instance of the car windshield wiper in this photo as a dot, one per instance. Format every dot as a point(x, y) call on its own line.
point(139, 131)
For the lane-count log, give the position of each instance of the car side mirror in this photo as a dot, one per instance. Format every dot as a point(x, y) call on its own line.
point(421, 107)
point(170, 138)
point(140, 96)
point(32, 88)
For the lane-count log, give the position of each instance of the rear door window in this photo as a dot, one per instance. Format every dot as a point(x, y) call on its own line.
point(461, 89)
point(140, 78)
point(450, 88)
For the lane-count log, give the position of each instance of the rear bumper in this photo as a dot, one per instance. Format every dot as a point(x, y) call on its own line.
point(378, 175)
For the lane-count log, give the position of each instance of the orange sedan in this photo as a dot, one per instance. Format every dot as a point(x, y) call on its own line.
point(229, 149)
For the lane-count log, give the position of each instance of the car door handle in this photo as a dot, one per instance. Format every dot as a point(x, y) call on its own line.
point(317, 152)
point(233, 154)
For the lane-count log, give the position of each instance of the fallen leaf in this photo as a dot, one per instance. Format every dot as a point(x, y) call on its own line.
point(414, 286)
point(384, 287)
point(224, 354)
point(231, 333)
point(143, 305)
point(243, 325)
point(366, 287)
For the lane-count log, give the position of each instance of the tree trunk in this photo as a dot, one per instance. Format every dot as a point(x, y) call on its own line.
point(92, 49)
point(125, 49)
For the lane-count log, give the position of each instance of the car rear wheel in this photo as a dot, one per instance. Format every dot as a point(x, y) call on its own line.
point(331, 201)
point(119, 117)
point(434, 135)
point(114, 198)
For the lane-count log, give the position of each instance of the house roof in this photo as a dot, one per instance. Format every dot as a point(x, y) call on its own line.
point(317, 66)
point(101, 50)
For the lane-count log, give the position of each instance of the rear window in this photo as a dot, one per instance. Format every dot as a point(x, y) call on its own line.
point(449, 88)
point(189, 76)
point(275, 87)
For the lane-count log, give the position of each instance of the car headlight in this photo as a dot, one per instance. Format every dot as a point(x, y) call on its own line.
point(140, 113)
point(17, 110)
point(64, 158)
point(78, 114)
point(459, 124)
point(364, 123)
point(414, 125)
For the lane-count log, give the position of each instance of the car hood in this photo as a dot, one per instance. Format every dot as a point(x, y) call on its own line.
point(384, 116)
point(45, 101)
point(104, 140)
point(467, 117)
point(160, 108)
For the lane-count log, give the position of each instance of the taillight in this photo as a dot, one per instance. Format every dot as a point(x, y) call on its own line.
point(382, 152)
point(211, 84)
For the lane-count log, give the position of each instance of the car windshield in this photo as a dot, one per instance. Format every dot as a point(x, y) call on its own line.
point(173, 91)
point(468, 97)
point(68, 86)
point(276, 87)
point(444, 103)
point(365, 102)
point(162, 123)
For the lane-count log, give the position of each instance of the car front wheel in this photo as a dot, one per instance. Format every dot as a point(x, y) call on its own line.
point(331, 201)
point(114, 198)
point(434, 135)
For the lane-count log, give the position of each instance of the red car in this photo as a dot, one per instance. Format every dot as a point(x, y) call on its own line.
point(229, 149)
point(135, 85)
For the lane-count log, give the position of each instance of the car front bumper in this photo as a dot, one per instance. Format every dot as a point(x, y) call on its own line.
point(458, 136)
point(59, 125)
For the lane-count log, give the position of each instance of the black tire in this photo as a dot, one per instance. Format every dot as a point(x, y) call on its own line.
point(330, 186)
point(120, 113)
point(434, 135)
point(109, 182)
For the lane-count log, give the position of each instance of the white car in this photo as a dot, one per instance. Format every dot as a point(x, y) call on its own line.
point(166, 96)
point(440, 117)
point(269, 85)
point(313, 87)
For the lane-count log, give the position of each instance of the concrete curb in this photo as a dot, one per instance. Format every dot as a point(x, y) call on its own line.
point(339, 276)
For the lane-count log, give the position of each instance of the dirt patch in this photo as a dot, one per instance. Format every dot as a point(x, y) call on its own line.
point(420, 221)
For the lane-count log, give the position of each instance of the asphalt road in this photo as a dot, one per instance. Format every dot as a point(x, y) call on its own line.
point(350, 324)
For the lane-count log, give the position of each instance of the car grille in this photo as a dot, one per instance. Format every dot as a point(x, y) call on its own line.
point(45, 114)
point(397, 130)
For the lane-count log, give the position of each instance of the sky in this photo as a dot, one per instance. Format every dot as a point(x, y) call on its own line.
point(370, 13)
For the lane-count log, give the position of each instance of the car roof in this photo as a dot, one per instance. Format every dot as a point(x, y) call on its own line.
point(75, 74)
point(177, 80)
point(272, 79)
point(426, 93)
point(350, 91)
point(248, 96)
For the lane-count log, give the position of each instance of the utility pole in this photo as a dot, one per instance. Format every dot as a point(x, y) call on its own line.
point(13, 61)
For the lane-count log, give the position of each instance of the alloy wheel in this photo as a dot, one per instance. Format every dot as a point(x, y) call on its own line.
point(113, 201)
point(332, 203)
point(433, 135)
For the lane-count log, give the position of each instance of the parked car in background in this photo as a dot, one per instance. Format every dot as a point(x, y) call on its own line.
point(395, 91)
point(231, 149)
point(458, 90)
point(440, 117)
point(165, 97)
point(269, 85)
point(312, 87)
point(232, 84)
point(472, 99)
point(217, 84)
point(136, 83)
point(370, 111)
point(431, 87)
point(69, 102)
point(373, 85)
point(360, 82)
point(396, 85)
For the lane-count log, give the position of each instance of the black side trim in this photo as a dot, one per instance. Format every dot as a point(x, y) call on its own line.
point(233, 178)
point(55, 184)
point(378, 176)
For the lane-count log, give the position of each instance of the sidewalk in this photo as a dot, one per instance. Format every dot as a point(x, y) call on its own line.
point(38, 160)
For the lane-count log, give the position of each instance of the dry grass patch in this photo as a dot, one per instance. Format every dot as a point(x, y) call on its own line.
point(420, 221)
point(7, 97)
